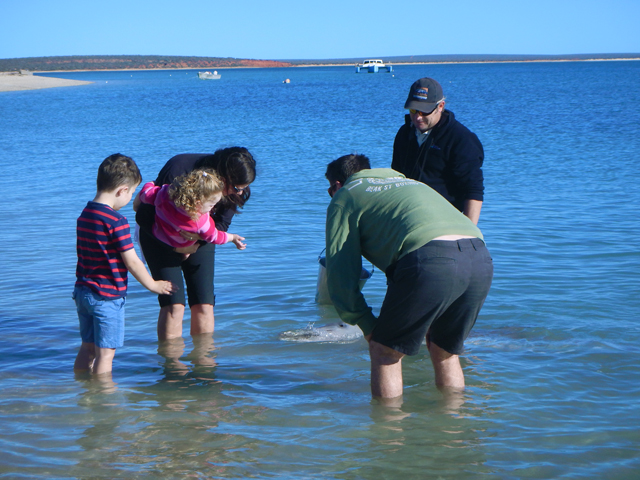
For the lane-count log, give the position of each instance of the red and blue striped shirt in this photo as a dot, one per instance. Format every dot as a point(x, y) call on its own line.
point(102, 235)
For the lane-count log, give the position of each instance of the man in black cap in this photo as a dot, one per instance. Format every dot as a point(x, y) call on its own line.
point(434, 148)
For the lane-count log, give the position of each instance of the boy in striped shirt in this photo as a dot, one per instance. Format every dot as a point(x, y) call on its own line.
point(105, 255)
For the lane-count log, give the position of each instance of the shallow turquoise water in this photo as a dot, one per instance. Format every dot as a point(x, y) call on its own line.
point(552, 364)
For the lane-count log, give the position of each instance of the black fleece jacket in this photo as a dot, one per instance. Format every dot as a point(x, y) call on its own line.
point(449, 161)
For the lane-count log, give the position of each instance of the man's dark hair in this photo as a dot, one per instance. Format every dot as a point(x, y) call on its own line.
point(342, 168)
point(117, 170)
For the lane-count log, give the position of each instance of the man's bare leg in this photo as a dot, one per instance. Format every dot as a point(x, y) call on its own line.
point(446, 367)
point(386, 371)
point(202, 320)
point(170, 321)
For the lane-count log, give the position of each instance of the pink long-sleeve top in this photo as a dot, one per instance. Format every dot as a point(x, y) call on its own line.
point(170, 219)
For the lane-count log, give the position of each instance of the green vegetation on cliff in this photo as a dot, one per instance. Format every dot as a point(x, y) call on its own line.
point(126, 62)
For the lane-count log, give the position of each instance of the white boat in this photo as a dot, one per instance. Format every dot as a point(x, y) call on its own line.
point(373, 66)
point(209, 76)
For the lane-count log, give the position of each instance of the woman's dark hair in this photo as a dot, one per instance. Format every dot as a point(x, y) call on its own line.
point(342, 168)
point(236, 166)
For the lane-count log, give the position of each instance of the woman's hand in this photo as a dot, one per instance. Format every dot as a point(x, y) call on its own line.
point(190, 236)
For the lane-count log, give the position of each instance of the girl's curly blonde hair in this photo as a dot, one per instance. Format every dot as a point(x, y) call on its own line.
point(193, 187)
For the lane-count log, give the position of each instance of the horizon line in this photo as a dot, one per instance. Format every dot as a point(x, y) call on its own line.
point(326, 59)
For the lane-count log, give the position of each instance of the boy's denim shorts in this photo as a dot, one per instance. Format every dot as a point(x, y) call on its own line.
point(101, 320)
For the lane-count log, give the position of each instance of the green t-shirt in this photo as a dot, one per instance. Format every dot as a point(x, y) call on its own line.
point(381, 215)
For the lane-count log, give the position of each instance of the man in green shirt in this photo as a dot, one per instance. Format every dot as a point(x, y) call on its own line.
point(438, 269)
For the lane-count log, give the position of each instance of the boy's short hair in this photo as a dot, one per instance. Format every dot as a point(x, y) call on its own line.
point(117, 170)
point(342, 168)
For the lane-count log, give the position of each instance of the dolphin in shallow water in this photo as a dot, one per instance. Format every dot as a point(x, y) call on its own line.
point(335, 332)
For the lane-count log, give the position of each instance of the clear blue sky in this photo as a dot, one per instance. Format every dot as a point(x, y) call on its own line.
point(299, 29)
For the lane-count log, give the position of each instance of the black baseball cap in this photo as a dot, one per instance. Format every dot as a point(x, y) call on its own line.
point(424, 95)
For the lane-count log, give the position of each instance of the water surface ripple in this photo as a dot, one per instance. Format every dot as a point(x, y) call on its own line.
point(552, 364)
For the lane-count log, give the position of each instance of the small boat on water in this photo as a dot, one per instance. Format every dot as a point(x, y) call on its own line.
point(209, 76)
point(373, 66)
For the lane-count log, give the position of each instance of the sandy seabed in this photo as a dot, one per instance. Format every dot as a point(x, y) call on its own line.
point(13, 82)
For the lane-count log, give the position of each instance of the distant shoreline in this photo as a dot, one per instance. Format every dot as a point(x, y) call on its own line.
point(172, 62)
point(13, 81)
point(306, 65)
point(477, 62)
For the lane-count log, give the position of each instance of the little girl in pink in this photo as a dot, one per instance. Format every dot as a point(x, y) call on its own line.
point(182, 210)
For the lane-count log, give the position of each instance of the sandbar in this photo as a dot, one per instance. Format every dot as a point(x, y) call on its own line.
point(10, 81)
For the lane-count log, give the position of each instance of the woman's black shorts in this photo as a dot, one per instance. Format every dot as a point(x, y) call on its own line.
point(165, 264)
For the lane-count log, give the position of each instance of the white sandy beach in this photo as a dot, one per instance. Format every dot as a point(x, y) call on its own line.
point(10, 81)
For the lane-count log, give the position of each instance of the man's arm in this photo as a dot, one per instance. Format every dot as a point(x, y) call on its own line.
point(401, 150)
point(344, 265)
point(466, 157)
point(472, 210)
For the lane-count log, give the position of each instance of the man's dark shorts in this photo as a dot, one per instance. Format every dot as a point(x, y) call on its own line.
point(165, 264)
point(438, 288)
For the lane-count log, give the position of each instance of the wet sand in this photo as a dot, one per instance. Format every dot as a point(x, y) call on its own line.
point(13, 82)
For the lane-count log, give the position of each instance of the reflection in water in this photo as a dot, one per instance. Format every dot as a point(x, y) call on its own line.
point(97, 384)
point(452, 400)
point(450, 403)
point(427, 432)
point(202, 356)
point(172, 350)
point(168, 428)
